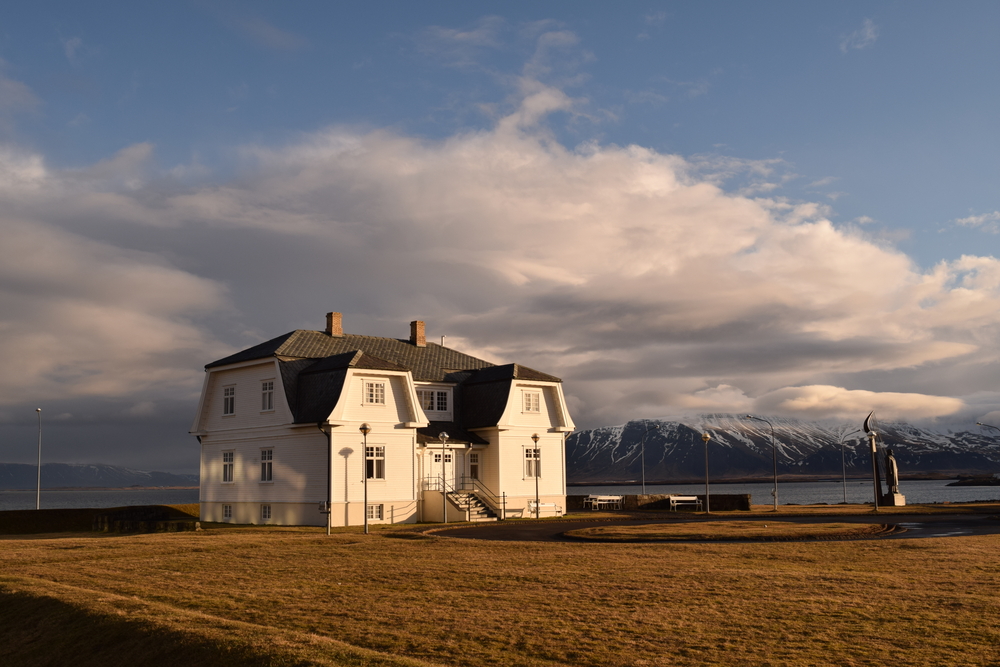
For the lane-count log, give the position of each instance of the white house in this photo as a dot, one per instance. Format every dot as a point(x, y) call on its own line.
point(280, 431)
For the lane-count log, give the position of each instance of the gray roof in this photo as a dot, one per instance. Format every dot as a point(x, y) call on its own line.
point(314, 367)
point(432, 363)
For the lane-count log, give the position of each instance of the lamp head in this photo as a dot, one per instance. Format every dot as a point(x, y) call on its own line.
point(705, 437)
point(38, 409)
point(443, 437)
point(365, 429)
point(535, 438)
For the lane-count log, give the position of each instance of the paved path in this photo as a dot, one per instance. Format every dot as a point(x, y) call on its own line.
point(914, 525)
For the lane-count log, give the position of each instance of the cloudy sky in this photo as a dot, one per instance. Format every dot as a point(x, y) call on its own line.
point(787, 208)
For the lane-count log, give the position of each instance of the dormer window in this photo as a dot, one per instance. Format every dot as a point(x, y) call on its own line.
point(267, 396)
point(375, 393)
point(532, 401)
point(229, 400)
point(433, 400)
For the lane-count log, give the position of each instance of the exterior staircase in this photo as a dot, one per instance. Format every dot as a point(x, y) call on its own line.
point(476, 509)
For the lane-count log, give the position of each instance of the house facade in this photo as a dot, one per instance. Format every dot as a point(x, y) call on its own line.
point(449, 436)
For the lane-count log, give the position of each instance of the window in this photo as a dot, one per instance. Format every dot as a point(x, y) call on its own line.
point(229, 400)
point(374, 511)
point(267, 395)
point(532, 401)
point(532, 463)
point(375, 462)
point(265, 512)
point(228, 459)
point(227, 511)
point(432, 400)
point(474, 465)
point(437, 458)
point(266, 460)
point(375, 393)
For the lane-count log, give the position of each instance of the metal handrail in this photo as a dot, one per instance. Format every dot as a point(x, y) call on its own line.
point(483, 492)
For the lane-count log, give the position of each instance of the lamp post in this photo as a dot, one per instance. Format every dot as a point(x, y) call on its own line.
point(705, 437)
point(38, 488)
point(537, 456)
point(365, 430)
point(977, 424)
point(642, 455)
point(774, 459)
point(443, 437)
point(843, 459)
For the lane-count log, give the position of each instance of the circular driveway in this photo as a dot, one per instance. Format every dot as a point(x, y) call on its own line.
point(910, 526)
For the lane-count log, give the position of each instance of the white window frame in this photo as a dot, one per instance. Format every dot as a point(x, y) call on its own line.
point(265, 513)
point(229, 400)
point(228, 467)
point(227, 511)
point(267, 396)
point(532, 462)
point(375, 462)
point(434, 400)
point(474, 465)
point(374, 392)
point(376, 512)
point(532, 401)
point(267, 465)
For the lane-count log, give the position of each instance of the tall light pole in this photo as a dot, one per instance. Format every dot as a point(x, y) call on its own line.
point(38, 488)
point(365, 430)
point(705, 437)
point(843, 459)
point(642, 455)
point(977, 424)
point(875, 480)
point(537, 456)
point(774, 459)
point(443, 437)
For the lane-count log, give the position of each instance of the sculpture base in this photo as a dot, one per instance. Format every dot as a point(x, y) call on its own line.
point(894, 500)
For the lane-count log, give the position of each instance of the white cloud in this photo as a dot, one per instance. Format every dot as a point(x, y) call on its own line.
point(825, 402)
point(14, 95)
point(988, 222)
point(633, 274)
point(862, 38)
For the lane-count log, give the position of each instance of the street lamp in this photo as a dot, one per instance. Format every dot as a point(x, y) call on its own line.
point(642, 454)
point(705, 437)
point(843, 459)
point(536, 455)
point(774, 459)
point(443, 437)
point(365, 430)
point(38, 489)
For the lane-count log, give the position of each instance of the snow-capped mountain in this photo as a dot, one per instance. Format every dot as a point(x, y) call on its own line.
point(55, 475)
point(741, 448)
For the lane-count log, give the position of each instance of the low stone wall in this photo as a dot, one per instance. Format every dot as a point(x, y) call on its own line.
point(720, 502)
point(142, 520)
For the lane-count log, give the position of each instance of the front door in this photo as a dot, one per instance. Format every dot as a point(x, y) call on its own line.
point(443, 467)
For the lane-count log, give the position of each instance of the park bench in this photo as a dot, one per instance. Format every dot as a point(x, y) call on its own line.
point(683, 500)
point(543, 508)
point(602, 502)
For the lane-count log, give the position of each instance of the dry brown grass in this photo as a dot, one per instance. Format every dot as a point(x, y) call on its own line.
point(295, 596)
point(726, 530)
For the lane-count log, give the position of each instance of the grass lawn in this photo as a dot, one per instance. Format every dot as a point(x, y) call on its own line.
point(293, 596)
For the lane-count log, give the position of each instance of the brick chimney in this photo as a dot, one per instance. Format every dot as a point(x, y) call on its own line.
point(417, 336)
point(334, 325)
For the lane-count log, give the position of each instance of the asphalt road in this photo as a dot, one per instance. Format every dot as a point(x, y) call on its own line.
point(913, 526)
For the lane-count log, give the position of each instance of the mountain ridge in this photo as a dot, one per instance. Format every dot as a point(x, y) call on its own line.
point(16, 476)
point(741, 448)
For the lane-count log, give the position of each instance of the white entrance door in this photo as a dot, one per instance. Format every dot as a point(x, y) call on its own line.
point(445, 466)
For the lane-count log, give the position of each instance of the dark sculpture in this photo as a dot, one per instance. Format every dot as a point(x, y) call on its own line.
point(891, 472)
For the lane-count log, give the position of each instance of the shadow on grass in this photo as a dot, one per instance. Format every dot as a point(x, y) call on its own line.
point(34, 522)
point(42, 631)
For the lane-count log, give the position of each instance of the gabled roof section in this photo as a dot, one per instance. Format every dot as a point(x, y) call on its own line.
point(432, 363)
point(510, 372)
point(314, 387)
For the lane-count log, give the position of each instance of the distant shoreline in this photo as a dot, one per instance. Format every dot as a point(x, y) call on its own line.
point(105, 488)
point(763, 480)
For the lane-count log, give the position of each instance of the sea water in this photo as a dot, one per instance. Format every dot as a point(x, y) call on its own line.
point(810, 493)
point(85, 498)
